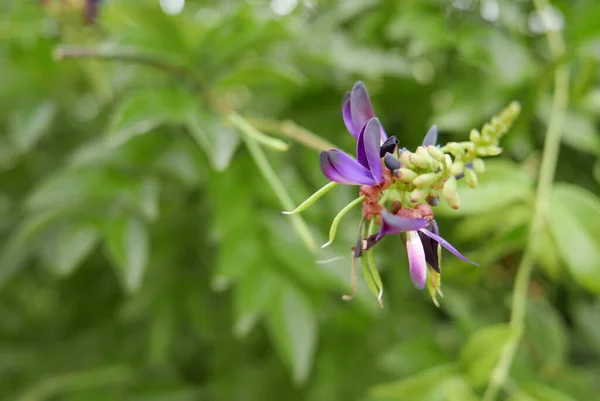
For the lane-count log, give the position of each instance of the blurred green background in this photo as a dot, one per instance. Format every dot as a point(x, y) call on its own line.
point(144, 256)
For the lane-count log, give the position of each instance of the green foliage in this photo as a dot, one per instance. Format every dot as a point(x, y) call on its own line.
point(144, 255)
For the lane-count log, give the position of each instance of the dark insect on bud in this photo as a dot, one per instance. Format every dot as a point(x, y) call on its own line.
point(391, 162)
point(388, 146)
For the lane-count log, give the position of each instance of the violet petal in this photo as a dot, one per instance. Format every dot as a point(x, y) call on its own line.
point(347, 114)
point(367, 148)
point(446, 245)
point(342, 168)
point(392, 224)
point(416, 259)
point(431, 136)
point(360, 106)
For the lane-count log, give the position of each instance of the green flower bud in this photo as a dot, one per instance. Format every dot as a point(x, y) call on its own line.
point(405, 175)
point(471, 177)
point(425, 180)
point(487, 133)
point(457, 168)
point(493, 150)
point(474, 136)
point(418, 195)
point(449, 188)
point(454, 201)
point(448, 162)
point(479, 166)
point(405, 159)
point(436, 153)
point(455, 149)
point(420, 160)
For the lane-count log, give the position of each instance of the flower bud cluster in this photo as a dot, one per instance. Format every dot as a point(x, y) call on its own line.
point(432, 170)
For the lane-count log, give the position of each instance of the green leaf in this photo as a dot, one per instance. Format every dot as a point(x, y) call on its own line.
point(547, 334)
point(29, 126)
point(255, 291)
point(293, 328)
point(67, 246)
point(128, 245)
point(481, 352)
point(574, 216)
point(144, 110)
point(420, 386)
point(218, 141)
point(457, 388)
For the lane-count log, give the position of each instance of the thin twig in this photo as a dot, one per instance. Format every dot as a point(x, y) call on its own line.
point(150, 60)
point(546, 178)
point(294, 131)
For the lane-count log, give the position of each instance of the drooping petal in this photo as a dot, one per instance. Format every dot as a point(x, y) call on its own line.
point(347, 115)
point(367, 148)
point(446, 245)
point(431, 136)
point(431, 247)
point(342, 168)
point(416, 259)
point(392, 224)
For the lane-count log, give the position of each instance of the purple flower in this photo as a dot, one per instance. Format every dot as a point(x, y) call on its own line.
point(357, 110)
point(366, 169)
point(422, 242)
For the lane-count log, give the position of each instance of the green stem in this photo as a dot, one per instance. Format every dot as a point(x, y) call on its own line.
point(293, 131)
point(546, 178)
point(256, 135)
point(278, 188)
point(338, 218)
point(313, 198)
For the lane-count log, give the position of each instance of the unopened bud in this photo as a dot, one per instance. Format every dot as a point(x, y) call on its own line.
point(391, 162)
point(487, 132)
point(455, 148)
point(425, 180)
point(493, 150)
point(433, 199)
point(448, 162)
point(438, 185)
point(449, 188)
point(425, 210)
point(420, 160)
point(474, 136)
point(418, 195)
point(479, 166)
point(436, 153)
point(471, 177)
point(405, 175)
point(457, 168)
point(405, 159)
point(454, 201)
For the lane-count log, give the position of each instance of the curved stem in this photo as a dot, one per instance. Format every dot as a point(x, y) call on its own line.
point(338, 218)
point(546, 178)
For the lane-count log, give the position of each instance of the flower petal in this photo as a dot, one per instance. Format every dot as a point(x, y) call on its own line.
point(446, 245)
point(360, 106)
point(392, 224)
point(347, 115)
point(367, 148)
point(416, 259)
point(342, 168)
point(431, 248)
point(431, 136)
